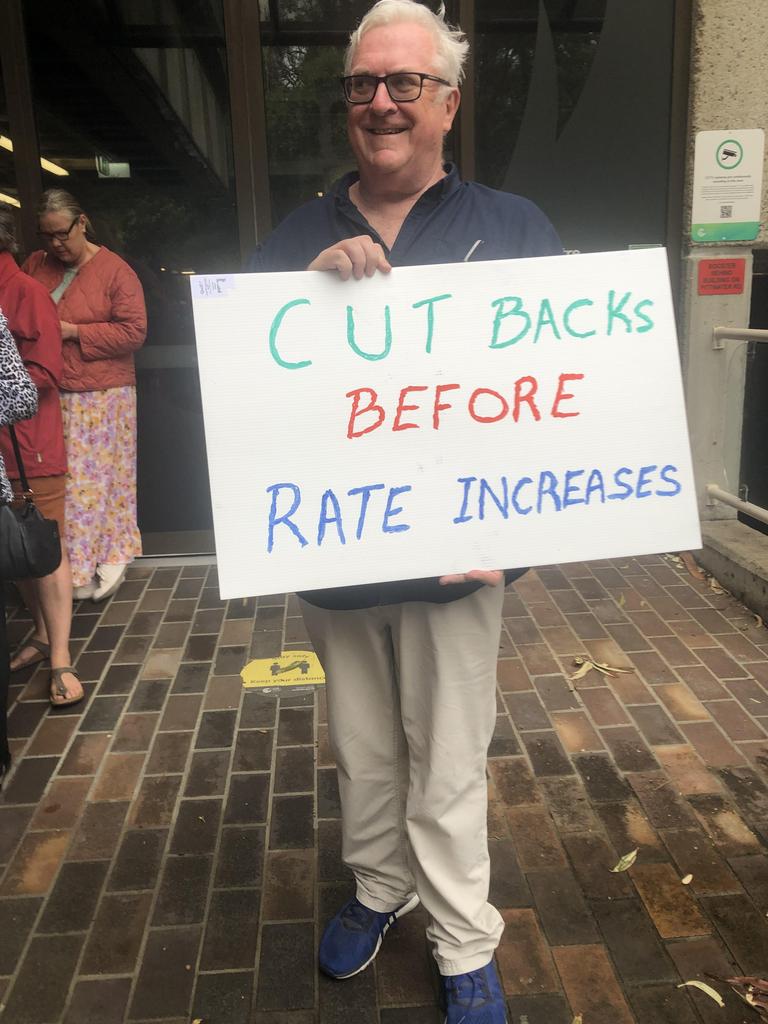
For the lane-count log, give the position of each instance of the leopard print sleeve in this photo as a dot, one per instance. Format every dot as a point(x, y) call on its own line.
point(18, 395)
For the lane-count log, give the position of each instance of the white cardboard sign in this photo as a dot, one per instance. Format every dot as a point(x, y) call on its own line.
point(441, 419)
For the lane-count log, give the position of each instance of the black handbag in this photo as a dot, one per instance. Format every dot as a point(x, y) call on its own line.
point(30, 545)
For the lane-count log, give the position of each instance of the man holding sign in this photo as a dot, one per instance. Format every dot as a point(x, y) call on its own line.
point(411, 665)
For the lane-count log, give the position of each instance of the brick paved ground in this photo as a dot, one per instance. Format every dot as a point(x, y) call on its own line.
point(170, 849)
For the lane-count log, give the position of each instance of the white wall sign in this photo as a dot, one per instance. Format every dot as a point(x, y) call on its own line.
point(441, 419)
point(727, 185)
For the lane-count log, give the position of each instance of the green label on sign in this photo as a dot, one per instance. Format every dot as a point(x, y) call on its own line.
point(742, 231)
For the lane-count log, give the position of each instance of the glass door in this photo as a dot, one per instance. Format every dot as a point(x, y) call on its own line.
point(132, 108)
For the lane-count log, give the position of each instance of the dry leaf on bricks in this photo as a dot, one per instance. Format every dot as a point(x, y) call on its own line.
point(626, 862)
point(707, 989)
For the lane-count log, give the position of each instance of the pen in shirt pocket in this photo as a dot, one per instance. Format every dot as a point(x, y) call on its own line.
point(473, 250)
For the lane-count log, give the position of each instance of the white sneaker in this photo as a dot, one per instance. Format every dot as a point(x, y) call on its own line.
point(111, 575)
point(85, 591)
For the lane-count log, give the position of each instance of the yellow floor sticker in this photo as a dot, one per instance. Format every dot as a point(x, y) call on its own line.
point(291, 668)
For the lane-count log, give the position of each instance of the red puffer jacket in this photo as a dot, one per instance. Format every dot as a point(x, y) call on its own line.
point(106, 301)
point(35, 327)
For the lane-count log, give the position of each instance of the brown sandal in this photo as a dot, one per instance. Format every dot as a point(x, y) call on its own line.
point(60, 690)
point(43, 654)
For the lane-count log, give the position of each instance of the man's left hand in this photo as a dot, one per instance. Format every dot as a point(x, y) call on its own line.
point(491, 577)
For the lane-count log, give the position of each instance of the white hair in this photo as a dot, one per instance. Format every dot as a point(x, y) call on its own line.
point(450, 42)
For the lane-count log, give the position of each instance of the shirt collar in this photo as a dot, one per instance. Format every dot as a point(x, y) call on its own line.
point(448, 184)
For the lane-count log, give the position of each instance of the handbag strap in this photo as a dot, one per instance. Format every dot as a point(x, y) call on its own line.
point(26, 490)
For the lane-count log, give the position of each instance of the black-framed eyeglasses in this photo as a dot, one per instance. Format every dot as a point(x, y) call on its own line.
point(402, 86)
point(59, 236)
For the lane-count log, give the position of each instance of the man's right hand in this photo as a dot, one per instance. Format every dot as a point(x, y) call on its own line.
point(352, 257)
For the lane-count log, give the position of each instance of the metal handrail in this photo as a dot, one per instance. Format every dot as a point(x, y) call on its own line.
point(721, 334)
point(714, 493)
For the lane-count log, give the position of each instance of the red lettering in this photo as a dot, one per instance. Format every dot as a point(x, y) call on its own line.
point(357, 411)
point(402, 407)
point(525, 396)
point(487, 419)
point(440, 406)
point(563, 396)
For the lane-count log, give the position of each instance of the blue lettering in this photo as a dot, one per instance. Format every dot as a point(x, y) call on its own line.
point(390, 512)
point(643, 480)
point(462, 517)
point(285, 518)
point(325, 520)
point(548, 485)
point(502, 504)
point(676, 485)
point(518, 487)
point(365, 493)
point(626, 489)
point(595, 483)
point(571, 488)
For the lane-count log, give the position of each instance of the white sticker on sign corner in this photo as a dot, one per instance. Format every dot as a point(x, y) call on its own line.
point(212, 286)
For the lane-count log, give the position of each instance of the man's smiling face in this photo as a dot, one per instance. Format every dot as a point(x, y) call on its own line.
point(400, 145)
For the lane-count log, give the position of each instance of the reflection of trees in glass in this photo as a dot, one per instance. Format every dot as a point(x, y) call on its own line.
point(503, 67)
point(306, 122)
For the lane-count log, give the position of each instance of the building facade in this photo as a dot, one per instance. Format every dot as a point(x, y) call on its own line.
point(187, 128)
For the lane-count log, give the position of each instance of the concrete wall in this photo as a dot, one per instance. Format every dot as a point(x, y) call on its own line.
point(728, 89)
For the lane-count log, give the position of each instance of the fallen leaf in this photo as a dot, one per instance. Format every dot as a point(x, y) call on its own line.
point(611, 670)
point(687, 880)
point(584, 667)
point(690, 564)
point(622, 599)
point(626, 862)
point(707, 989)
point(200, 818)
point(578, 1019)
point(758, 620)
point(753, 991)
point(714, 585)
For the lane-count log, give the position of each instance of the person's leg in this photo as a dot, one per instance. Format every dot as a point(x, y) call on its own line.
point(29, 653)
point(54, 598)
point(119, 540)
point(447, 669)
point(355, 650)
point(49, 599)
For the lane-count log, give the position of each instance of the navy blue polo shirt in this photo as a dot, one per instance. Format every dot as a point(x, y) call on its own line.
point(452, 221)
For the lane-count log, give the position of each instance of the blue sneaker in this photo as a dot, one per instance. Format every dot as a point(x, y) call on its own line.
point(474, 998)
point(353, 937)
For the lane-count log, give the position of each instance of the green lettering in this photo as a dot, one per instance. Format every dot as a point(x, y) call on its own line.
point(373, 356)
point(567, 319)
point(648, 324)
point(546, 319)
point(429, 303)
point(273, 336)
point(615, 312)
point(502, 314)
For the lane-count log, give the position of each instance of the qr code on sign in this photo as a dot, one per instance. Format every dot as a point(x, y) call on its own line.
point(726, 212)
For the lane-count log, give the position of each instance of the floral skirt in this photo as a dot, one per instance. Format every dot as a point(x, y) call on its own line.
point(100, 436)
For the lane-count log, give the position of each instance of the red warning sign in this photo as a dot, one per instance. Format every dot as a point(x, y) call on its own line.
point(721, 277)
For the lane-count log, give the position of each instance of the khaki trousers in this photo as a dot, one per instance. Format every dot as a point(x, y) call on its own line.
point(411, 711)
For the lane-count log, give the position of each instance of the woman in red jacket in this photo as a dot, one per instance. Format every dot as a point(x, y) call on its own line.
point(35, 327)
point(103, 321)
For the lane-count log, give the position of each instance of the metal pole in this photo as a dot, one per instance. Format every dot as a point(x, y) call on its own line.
point(715, 493)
